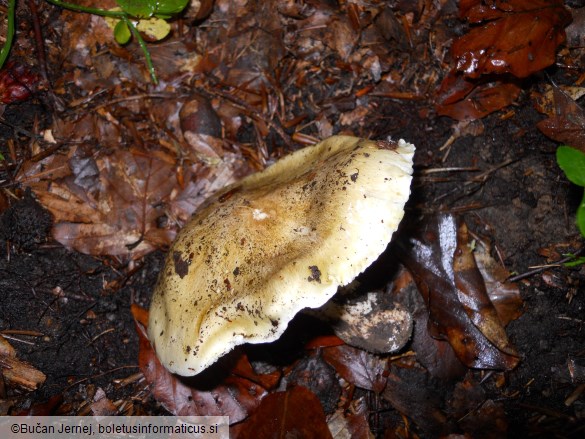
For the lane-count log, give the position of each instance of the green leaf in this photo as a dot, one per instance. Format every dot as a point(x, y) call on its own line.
point(572, 162)
point(121, 33)
point(1, 157)
point(576, 262)
point(138, 8)
point(168, 8)
point(581, 216)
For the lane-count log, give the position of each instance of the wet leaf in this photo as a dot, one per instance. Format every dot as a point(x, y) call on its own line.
point(17, 82)
point(244, 369)
point(567, 124)
point(517, 36)
point(572, 162)
point(168, 8)
point(138, 8)
point(465, 99)
point(436, 355)
point(295, 413)
point(454, 292)
point(358, 367)
point(231, 396)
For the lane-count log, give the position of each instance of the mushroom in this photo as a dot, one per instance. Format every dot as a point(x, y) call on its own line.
point(372, 322)
point(278, 241)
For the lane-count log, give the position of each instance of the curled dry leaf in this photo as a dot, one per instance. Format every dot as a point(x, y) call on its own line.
point(454, 291)
point(294, 413)
point(234, 396)
point(516, 36)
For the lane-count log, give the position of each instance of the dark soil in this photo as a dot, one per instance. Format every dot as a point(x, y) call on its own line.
point(79, 306)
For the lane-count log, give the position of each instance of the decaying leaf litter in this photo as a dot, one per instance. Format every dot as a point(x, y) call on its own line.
point(121, 165)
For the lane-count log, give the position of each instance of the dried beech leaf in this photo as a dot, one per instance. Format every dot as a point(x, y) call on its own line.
point(119, 217)
point(234, 396)
point(517, 36)
point(296, 413)
point(118, 204)
point(358, 367)
point(455, 294)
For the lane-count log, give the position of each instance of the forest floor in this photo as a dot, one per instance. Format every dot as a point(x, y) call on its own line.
point(99, 168)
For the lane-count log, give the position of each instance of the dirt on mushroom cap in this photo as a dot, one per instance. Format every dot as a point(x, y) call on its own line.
point(278, 241)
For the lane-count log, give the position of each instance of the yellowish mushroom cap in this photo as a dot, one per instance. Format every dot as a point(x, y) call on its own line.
point(278, 241)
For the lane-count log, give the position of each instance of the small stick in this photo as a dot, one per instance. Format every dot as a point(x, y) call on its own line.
point(540, 269)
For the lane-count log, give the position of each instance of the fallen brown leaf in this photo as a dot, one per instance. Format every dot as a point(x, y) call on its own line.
point(567, 123)
point(454, 292)
point(466, 99)
point(515, 36)
point(358, 367)
point(295, 413)
point(231, 396)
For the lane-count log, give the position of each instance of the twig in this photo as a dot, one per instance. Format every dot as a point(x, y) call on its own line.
point(529, 273)
point(100, 334)
point(39, 42)
point(480, 178)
